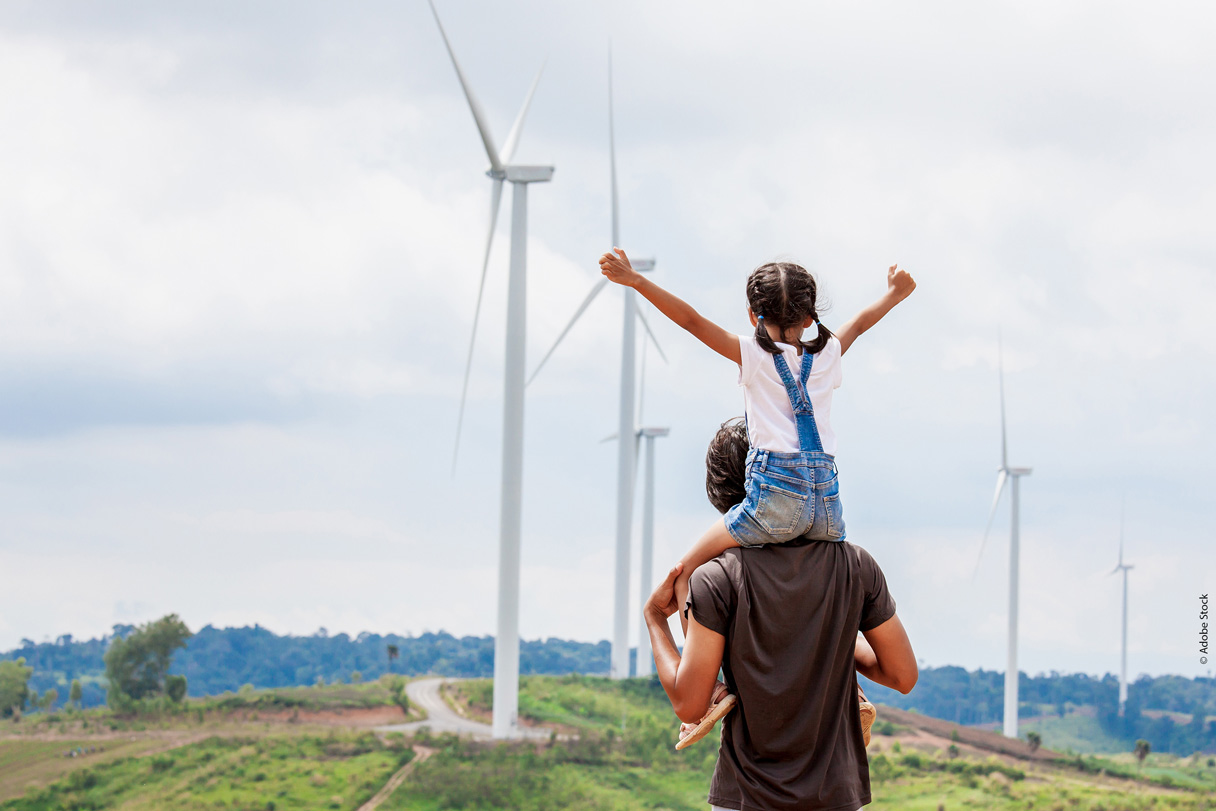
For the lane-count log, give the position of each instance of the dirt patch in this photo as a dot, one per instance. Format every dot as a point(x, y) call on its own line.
point(349, 717)
point(938, 734)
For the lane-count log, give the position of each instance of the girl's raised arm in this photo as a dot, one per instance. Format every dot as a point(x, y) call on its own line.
point(900, 285)
point(617, 268)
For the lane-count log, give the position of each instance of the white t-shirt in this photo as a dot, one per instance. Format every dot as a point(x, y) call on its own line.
point(770, 417)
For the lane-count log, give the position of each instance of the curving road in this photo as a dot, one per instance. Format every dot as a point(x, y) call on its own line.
point(424, 694)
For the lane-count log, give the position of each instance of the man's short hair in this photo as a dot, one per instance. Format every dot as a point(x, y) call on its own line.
point(726, 465)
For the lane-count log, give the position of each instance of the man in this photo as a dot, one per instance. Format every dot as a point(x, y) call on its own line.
point(781, 622)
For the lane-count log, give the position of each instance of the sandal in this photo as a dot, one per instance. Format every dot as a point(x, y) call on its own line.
point(868, 714)
point(715, 713)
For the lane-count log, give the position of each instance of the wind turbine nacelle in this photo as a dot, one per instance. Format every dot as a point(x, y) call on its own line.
point(1020, 471)
point(642, 265)
point(654, 431)
point(527, 174)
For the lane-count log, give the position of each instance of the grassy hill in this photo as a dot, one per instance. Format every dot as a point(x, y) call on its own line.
point(316, 748)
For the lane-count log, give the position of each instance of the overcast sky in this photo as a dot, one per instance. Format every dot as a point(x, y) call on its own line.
point(239, 249)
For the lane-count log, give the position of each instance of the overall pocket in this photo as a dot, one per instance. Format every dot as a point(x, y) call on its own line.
point(827, 497)
point(778, 510)
point(835, 515)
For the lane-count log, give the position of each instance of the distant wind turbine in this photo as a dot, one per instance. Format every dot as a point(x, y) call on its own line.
point(618, 667)
point(1125, 568)
point(506, 642)
point(1005, 473)
point(645, 661)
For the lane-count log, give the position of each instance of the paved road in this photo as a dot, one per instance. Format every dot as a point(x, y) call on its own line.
point(424, 694)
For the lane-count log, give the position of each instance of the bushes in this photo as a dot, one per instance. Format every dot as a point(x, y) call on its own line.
point(883, 768)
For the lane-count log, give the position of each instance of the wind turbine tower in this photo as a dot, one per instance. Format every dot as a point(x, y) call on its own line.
point(506, 642)
point(1125, 568)
point(1012, 475)
point(626, 463)
point(645, 664)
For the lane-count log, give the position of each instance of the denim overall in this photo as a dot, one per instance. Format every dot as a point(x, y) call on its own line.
point(790, 495)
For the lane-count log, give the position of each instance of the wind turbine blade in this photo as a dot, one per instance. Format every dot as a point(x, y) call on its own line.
point(595, 291)
point(609, 438)
point(1001, 478)
point(479, 116)
point(512, 143)
point(495, 199)
point(616, 217)
point(649, 332)
point(642, 385)
point(1001, 374)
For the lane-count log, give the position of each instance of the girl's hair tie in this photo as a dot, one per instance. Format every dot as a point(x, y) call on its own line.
point(759, 318)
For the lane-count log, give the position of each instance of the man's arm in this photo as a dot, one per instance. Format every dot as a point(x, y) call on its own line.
point(900, 285)
point(688, 679)
point(890, 660)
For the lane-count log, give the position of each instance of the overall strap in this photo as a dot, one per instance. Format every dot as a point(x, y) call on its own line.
point(800, 401)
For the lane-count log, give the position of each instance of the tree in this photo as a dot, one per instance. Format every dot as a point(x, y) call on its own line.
point(175, 688)
point(356, 677)
point(75, 693)
point(48, 699)
point(1142, 750)
point(14, 686)
point(393, 653)
point(137, 665)
point(1035, 740)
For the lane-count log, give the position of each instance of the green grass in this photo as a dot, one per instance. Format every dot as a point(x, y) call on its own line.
point(596, 772)
point(583, 702)
point(1075, 733)
point(329, 697)
point(279, 772)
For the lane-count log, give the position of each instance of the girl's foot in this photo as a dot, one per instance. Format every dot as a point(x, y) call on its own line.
point(868, 714)
point(720, 703)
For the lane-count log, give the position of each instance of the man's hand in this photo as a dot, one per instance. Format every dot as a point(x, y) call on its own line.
point(900, 283)
point(662, 602)
point(617, 268)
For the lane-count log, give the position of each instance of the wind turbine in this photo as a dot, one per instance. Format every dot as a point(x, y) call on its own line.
point(1125, 568)
point(1005, 473)
point(506, 642)
point(618, 667)
point(645, 661)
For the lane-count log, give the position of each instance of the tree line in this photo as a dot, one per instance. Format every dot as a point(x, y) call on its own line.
point(136, 673)
point(216, 660)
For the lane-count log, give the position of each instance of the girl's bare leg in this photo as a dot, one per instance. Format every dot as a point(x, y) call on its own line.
point(713, 543)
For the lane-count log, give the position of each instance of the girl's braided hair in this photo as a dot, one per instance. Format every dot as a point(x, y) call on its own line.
point(783, 294)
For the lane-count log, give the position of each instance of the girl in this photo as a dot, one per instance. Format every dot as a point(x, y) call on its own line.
point(791, 486)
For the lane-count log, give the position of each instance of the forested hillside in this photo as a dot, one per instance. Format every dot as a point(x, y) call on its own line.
point(977, 697)
point(219, 659)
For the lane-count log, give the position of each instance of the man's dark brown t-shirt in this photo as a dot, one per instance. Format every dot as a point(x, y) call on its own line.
point(790, 613)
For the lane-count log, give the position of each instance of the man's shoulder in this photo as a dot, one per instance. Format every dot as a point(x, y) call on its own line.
point(734, 561)
point(860, 554)
point(727, 565)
